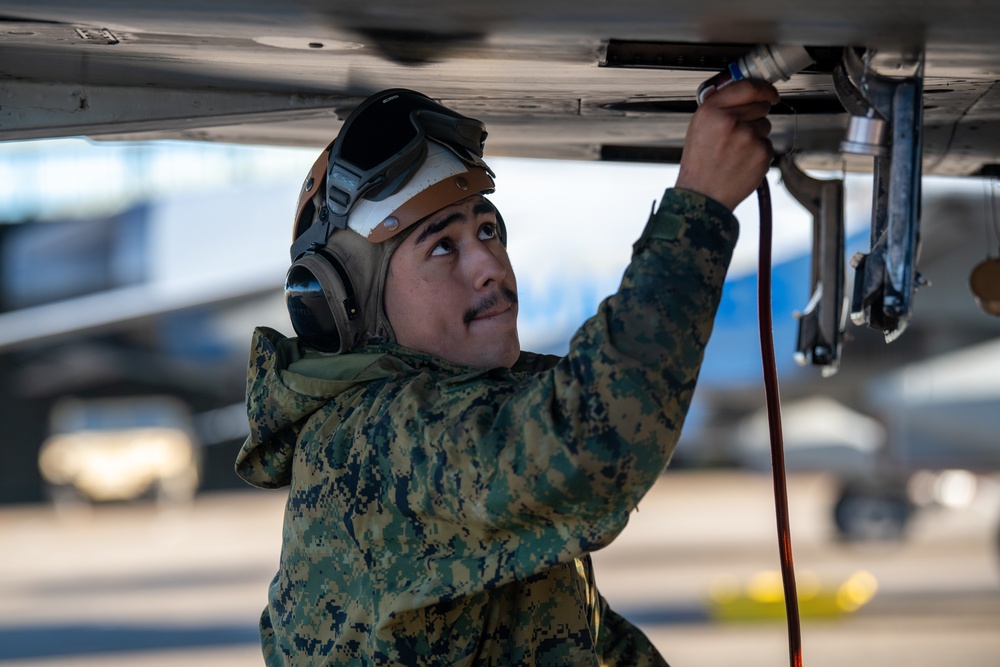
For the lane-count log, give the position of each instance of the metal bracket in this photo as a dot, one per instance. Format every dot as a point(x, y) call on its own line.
point(885, 277)
point(821, 325)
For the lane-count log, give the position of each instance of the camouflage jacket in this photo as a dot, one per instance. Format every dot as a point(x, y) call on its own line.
point(443, 515)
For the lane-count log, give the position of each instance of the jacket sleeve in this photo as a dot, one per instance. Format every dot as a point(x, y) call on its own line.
point(558, 462)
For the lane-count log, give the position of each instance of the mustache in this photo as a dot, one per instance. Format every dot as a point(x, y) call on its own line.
point(501, 296)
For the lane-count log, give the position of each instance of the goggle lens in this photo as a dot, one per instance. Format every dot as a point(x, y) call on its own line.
point(388, 125)
point(377, 134)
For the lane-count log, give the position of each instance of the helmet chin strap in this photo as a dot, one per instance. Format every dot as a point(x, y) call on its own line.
point(314, 237)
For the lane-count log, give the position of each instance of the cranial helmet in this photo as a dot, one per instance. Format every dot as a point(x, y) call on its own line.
point(399, 157)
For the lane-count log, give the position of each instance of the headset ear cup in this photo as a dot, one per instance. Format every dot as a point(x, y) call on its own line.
point(321, 303)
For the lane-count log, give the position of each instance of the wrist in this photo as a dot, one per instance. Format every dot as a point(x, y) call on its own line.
point(714, 202)
point(680, 210)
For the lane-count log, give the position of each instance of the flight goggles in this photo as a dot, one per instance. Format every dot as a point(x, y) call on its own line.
point(383, 142)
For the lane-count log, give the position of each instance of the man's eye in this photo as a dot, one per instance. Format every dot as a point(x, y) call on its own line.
point(488, 231)
point(442, 247)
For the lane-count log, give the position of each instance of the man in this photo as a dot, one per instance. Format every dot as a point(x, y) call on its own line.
point(446, 489)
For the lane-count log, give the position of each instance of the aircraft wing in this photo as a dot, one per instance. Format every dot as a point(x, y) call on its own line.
point(560, 79)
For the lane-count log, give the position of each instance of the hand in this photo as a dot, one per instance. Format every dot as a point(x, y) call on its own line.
point(726, 150)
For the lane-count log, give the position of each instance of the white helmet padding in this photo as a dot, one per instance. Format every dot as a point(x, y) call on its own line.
point(442, 180)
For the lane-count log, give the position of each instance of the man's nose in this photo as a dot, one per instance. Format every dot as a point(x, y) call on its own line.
point(485, 265)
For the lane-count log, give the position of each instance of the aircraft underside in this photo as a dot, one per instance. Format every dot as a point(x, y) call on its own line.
point(580, 80)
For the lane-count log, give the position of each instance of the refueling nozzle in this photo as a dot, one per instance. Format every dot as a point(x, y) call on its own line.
point(770, 62)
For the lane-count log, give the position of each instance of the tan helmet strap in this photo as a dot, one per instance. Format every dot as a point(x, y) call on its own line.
point(313, 182)
point(436, 197)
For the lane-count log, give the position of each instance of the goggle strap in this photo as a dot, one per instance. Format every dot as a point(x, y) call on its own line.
point(471, 159)
point(451, 128)
point(344, 186)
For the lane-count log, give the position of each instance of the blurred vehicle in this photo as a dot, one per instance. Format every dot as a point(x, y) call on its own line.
point(121, 449)
point(821, 434)
point(933, 445)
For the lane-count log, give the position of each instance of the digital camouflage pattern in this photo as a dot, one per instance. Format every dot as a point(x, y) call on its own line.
point(443, 515)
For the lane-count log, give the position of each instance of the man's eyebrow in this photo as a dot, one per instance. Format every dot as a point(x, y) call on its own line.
point(438, 226)
point(484, 207)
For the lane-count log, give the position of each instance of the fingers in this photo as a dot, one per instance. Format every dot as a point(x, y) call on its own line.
point(747, 91)
point(749, 112)
point(760, 127)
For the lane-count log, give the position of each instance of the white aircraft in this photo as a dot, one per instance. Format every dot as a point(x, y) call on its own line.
point(898, 89)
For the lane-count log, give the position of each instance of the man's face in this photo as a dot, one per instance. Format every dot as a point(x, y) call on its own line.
point(450, 290)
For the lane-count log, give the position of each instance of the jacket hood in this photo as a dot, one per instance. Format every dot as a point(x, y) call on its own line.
point(286, 383)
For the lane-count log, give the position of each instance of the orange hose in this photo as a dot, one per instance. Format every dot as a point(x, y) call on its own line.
point(774, 426)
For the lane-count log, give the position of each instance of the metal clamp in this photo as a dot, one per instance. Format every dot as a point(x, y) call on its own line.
point(821, 325)
point(885, 277)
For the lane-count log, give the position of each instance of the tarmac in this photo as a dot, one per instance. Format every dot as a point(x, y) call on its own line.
point(154, 585)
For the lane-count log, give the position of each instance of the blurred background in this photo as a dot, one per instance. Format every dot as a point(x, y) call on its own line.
point(132, 275)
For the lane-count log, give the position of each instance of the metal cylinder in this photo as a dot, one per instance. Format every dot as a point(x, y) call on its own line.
point(769, 62)
point(774, 62)
point(866, 135)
